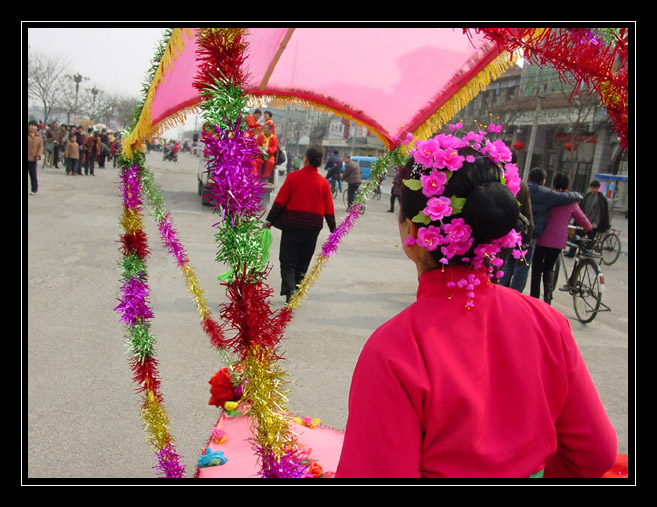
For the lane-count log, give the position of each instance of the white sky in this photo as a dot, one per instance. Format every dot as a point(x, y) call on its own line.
point(114, 58)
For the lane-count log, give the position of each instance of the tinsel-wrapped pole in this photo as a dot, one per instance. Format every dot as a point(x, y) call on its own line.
point(134, 309)
point(235, 191)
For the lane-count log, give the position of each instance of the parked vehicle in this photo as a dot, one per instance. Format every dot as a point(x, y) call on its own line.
point(365, 164)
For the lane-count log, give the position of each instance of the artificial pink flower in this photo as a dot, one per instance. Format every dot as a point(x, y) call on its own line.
point(438, 208)
point(512, 178)
point(448, 141)
point(429, 237)
point(450, 159)
point(497, 151)
point(518, 254)
point(494, 128)
point(461, 247)
point(457, 231)
point(473, 136)
point(511, 240)
point(425, 152)
point(434, 183)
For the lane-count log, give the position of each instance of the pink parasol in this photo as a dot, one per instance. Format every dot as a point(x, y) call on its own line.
point(392, 80)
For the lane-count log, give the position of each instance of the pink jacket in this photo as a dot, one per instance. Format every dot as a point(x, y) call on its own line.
point(500, 390)
point(555, 234)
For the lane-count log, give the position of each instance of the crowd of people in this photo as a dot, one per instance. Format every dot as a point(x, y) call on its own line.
point(77, 150)
point(548, 213)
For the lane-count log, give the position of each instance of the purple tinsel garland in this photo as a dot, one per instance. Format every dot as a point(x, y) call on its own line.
point(169, 463)
point(235, 188)
point(332, 243)
point(170, 240)
point(134, 304)
point(289, 466)
point(130, 186)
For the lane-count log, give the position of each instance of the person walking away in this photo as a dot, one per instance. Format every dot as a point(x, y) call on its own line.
point(92, 148)
point(34, 154)
point(483, 381)
point(552, 240)
point(333, 169)
point(395, 192)
point(71, 155)
point(104, 153)
point(301, 206)
point(82, 138)
point(352, 175)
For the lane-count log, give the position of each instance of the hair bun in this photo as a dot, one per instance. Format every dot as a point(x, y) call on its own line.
point(491, 211)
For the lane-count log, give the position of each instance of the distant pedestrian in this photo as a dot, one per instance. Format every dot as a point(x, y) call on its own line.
point(552, 240)
point(71, 155)
point(396, 190)
point(91, 148)
point(303, 202)
point(34, 154)
point(542, 199)
point(54, 138)
point(352, 175)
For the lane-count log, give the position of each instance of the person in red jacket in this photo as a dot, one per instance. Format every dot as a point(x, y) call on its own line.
point(301, 206)
point(474, 379)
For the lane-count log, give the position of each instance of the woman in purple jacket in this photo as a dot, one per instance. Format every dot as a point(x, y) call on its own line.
point(553, 239)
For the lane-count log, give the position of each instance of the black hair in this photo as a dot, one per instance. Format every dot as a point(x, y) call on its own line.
point(315, 154)
point(537, 175)
point(490, 209)
point(561, 181)
point(594, 183)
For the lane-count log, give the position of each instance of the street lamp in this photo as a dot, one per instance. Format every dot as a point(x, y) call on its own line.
point(77, 78)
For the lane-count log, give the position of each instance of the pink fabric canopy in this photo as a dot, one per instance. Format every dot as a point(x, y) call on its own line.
point(390, 79)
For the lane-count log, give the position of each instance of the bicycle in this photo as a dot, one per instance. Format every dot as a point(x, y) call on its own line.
point(334, 187)
point(345, 200)
point(608, 245)
point(49, 154)
point(375, 194)
point(586, 281)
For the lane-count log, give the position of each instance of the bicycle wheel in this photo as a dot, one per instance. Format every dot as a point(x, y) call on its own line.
point(345, 198)
point(610, 248)
point(587, 290)
point(48, 158)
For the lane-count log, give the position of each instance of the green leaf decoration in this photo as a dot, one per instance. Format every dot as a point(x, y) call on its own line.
point(457, 204)
point(413, 184)
point(421, 218)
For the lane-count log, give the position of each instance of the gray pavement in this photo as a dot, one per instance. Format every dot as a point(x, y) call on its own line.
point(81, 412)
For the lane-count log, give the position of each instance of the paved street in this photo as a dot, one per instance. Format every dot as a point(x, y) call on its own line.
point(81, 411)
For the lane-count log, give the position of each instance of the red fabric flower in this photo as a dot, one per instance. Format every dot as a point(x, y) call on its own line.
point(221, 389)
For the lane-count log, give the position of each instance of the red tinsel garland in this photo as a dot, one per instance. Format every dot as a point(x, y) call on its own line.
point(249, 314)
point(220, 55)
point(135, 243)
point(146, 376)
point(580, 58)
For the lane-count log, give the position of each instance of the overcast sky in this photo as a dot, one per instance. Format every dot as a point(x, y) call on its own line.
point(115, 59)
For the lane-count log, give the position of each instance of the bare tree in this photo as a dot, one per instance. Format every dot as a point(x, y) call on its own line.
point(45, 83)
